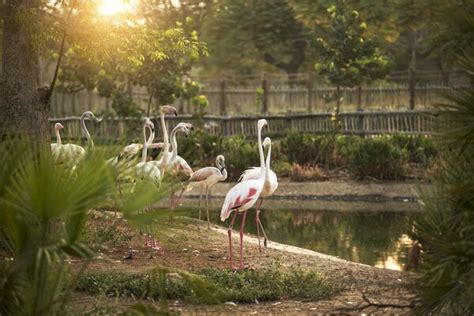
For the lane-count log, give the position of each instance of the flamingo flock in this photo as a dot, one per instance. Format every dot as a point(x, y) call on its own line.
point(254, 185)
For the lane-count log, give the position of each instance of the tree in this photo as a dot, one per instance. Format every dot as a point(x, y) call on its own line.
point(254, 32)
point(349, 56)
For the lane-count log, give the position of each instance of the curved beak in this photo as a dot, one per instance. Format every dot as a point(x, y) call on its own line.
point(175, 113)
point(98, 120)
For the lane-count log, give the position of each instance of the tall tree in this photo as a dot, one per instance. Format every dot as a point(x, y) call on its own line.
point(349, 57)
point(264, 30)
point(22, 102)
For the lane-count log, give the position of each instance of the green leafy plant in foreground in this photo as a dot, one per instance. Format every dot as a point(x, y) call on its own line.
point(446, 229)
point(43, 209)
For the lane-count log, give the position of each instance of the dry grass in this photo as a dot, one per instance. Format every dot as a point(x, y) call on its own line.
point(307, 173)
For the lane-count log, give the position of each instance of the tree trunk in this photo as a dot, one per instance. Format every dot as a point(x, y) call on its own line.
point(21, 104)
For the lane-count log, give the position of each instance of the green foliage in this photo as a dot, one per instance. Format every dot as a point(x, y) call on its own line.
point(421, 149)
point(211, 286)
point(43, 209)
point(446, 229)
point(249, 34)
point(307, 149)
point(376, 157)
point(240, 154)
point(349, 56)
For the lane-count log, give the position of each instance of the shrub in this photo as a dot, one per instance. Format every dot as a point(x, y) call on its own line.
point(376, 157)
point(240, 155)
point(420, 148)
point(306, 149)
point(282, 168)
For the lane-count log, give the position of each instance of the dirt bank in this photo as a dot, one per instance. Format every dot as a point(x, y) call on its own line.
point(188, 245)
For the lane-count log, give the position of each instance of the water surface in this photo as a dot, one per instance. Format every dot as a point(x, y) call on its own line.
point(377, 238)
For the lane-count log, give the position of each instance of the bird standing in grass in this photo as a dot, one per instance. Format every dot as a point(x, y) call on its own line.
point(57, 127)
point(205, 178)
point(72, 154)
point(243, 196)
point(271, 184)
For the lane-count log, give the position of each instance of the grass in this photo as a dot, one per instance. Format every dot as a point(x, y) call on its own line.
point(210, 286)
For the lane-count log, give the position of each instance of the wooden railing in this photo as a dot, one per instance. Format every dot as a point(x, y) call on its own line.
point(362, 123)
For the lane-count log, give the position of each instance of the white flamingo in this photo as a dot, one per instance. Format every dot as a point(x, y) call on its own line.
point(166, 153)
point(271, 184)
point(174, 164)
point(131, 152)
point(57, 127)
point(243, 196)
point(206, 178)
point(72, 153)
point(149, 171)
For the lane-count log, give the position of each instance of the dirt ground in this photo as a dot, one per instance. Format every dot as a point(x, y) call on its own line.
point(187, 244)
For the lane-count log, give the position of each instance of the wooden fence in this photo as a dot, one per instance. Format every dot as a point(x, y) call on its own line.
point(362, 123)
point(277, 95)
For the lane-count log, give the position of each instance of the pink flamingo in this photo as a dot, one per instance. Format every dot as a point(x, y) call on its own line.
point(243, 196)
point(271, 184)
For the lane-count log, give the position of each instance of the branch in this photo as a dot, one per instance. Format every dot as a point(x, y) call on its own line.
point(61, 53)
point(368, 303)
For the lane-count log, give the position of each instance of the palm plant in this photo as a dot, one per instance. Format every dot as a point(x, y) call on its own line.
point(447, 228)
point(43, 209)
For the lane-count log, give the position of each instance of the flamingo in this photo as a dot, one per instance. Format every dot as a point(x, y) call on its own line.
point(149, 171)
point(131, 151)
point(243, 196)
point(205, 178)
point(72, 153)
point(271, 184)
point(166, 154)
point(57, 127)
point(173, 163)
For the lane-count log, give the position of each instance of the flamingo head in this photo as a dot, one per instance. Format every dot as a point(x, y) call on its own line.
point(149, 124)
point(168, 109)
point(262, 123)
point(220, 162)
point(267, 142)
point(89, 115)
point(186, 128)
point(58, 126)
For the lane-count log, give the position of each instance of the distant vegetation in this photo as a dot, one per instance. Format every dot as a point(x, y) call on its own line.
point(382, 157)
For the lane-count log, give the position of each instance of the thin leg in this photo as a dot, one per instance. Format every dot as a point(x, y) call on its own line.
point(207, 208)
point(259, 224)
point(179, 196)
point(257, 221)
point(200, 197)
point(229, 233)
point(242, 240)
point(171, 199)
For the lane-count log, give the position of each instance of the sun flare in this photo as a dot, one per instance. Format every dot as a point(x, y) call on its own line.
point(111, 7)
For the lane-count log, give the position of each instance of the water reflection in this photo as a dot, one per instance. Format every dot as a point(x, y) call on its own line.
point(375, 238)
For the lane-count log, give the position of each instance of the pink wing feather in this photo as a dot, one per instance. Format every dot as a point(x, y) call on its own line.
point(240, 195)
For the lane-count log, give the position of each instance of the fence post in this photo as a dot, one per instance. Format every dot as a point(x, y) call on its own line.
point(359, 98)
point(223, 98)
point(265, 94)
point(411, 78)
point(309, 86)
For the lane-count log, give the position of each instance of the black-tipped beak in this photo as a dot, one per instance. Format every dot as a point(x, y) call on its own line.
point(175, 113)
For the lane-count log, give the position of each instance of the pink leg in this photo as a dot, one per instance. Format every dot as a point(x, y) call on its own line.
point(242, 240)
point(229, 233)
point(171, 200)
point(179, 196)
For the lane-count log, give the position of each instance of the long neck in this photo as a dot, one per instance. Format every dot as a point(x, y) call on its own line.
point(174, 145)
point(260, 151)
point(166, 142)
point(86, 131)
point(224, 174)
point(269, 154)
point(58, 137)
point(151, 137)
point(144, 150)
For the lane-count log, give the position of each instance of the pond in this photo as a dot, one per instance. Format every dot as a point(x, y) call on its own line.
point(377, 238)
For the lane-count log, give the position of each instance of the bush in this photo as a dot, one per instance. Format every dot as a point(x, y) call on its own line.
point(306, 173)
point(240, 154)
point(421, 149)
point(376, 157)
point(306, 149)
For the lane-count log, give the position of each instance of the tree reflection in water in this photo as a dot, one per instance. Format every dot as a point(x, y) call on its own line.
point(374, 238)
